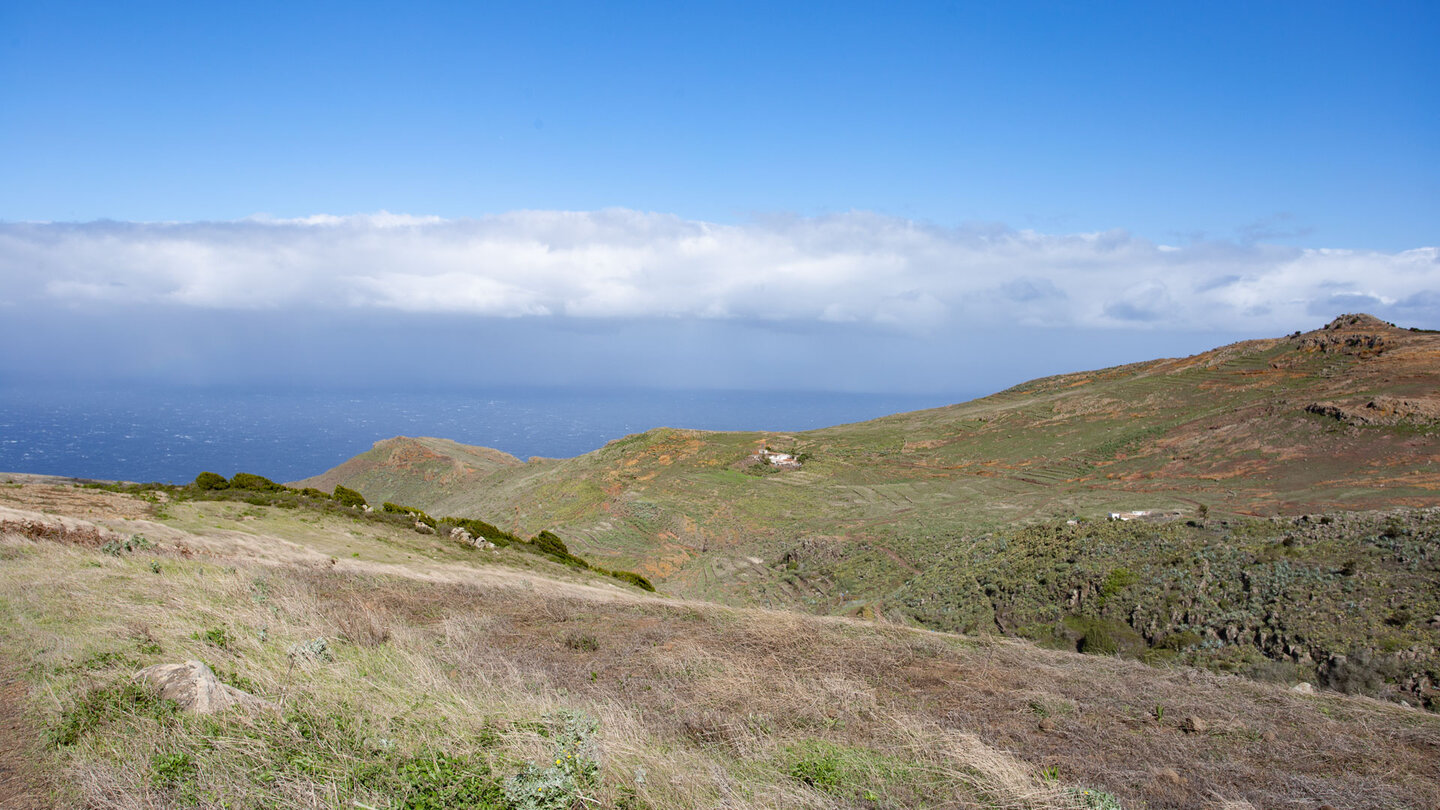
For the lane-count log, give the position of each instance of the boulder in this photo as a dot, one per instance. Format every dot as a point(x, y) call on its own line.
point(1303, 688)
point(194, 688)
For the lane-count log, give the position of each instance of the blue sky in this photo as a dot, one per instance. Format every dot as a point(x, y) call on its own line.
point(1183, 170)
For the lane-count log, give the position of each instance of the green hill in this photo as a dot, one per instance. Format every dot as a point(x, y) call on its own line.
point(943, 516)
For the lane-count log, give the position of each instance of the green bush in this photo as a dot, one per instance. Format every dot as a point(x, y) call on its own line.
point(1118, 580)
point(258, 483)
point(418, 514)
point(348, 497)
point(479, 528)
point(1108, 637)
point(634, 579)
point(207, 481)
point(550, 543)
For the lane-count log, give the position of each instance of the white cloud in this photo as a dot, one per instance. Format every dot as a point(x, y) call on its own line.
point(854, 268)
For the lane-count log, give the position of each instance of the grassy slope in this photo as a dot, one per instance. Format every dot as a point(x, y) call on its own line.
point(954, 517)
point(449, 670)
point(1227, 429)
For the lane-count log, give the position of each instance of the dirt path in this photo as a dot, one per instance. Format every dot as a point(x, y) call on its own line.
point(22, 785)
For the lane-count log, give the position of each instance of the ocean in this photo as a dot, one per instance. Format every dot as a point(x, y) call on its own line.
point(171, 435)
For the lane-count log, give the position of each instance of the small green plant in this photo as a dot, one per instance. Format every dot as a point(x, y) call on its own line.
point(107, 704)
point(316, 649)
point(172, 768)
point(135, 542)
point(1159, 712)
point(582, 642)
point(819, 769)
point(436, 780)
point(218, 636)
point(154, 567)
point(1095, 799)
point(1050, 773)
point(561, 782)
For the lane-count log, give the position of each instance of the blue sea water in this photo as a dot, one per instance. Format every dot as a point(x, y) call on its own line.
point(171, 435)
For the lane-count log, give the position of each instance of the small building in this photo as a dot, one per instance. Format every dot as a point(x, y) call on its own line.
point(783, 460)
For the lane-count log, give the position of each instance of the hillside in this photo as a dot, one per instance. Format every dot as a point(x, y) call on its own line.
point(410, 469)
point(1340, 418)
point(940, 516)
point(397, 669)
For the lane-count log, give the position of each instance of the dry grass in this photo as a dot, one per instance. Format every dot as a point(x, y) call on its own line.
point(698, 705)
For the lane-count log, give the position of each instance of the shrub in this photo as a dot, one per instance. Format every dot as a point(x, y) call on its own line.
point(206, 481)
point(550, 543)
point(1109, 637)
point(1117, 581)
point(418, 514)
point(479, 528)
point(349, 497)
point(258, 483)
point(634, 579)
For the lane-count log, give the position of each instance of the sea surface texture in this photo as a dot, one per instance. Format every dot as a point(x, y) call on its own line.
point(172, 435)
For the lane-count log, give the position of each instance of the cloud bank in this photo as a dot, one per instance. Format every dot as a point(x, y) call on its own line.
point(853, 268)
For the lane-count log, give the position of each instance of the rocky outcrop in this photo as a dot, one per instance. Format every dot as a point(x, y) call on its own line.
point(1381, 410)
point(194, 688)
point(1357, 320)
point(1352, 334)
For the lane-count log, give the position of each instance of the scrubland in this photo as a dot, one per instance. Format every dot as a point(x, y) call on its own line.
point(408, 674)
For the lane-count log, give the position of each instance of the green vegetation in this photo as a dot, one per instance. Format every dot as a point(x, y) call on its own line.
point(1333, 600)
point(210, 481)
point(348, 497)
point(260, 491)
point(489, 680)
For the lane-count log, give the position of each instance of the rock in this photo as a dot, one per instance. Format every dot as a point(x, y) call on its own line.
point(194, 688)
point(423, 527)
point(1268, 736)
point(1303, 688)
point(1357, 320)
point(1047, 725)
point(1194, 725)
